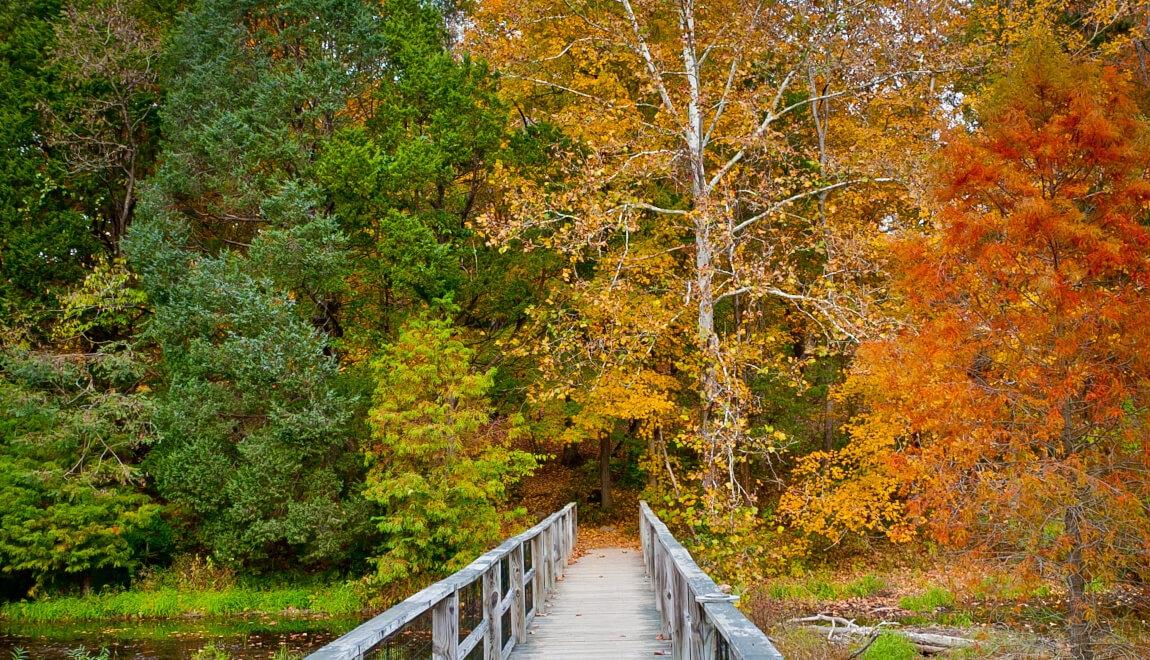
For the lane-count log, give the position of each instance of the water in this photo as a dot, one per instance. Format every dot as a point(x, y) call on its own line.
point(254, 637)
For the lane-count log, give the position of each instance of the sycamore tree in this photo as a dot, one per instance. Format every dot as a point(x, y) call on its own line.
point(713, 124)
point(439, 467)
point(1012, 411)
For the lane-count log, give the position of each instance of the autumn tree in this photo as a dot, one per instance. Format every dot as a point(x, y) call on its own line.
point(1016, 400)
point(710, 122)
point(439, 468)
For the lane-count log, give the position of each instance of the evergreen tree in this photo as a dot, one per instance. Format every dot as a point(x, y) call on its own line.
point(246, 268)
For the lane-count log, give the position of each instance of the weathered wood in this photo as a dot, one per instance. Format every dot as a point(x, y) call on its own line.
point(519, 602)
point(841, 627)
point(540, 595)
point(693, 609)
point(601, 610)
point(370, 634)
point(445, 629)
point(492, 648)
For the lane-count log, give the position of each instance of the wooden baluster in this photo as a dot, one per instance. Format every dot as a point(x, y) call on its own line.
point(445, 628)
point(492, 642)
point(537, 560)
point(519, 602)
point(556, 559)
point(549, 581)
point(671, 604)
point(697, 628)
point(574, 526)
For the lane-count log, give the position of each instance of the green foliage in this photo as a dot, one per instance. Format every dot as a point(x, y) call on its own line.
point(249, 427)
point(44, 237)
point(438, 468)
point(890, 646)
point(928, 601)
point(817, 589)
point(106, 306)
point(406, 183)
point(84, 653)
point(246, 270)
point(70, 431)
point(211, 652)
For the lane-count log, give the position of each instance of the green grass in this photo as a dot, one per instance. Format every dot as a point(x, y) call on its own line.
point(332, 600)
point(890, 646)
point(816, 589)
point(928, 601)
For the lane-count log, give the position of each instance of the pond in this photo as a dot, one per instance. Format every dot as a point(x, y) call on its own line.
point(254, 637)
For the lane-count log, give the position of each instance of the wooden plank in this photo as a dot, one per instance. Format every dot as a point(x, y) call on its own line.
point(445, 629)
point(491, 614)
point(519, 602)
point(474, 639)
point(601, 609)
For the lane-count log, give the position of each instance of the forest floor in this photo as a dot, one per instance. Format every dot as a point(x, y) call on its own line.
point(913, 592)
point(900, 589)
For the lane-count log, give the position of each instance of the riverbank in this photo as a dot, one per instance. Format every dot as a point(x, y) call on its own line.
point(340, 599)
point(255, 636)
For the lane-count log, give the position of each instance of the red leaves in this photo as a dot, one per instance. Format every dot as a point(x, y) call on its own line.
point(1021, 388)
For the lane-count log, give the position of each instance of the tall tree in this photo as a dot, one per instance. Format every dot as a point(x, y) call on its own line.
point(1017, 399)
point(710, 119)
point(44, 239)
point(106, 125)
point(246, 267)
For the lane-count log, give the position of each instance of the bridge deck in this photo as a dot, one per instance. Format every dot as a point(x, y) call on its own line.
point(603, 608)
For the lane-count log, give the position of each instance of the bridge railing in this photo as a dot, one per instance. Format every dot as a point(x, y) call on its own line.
point(480, 612)
point(703, 622)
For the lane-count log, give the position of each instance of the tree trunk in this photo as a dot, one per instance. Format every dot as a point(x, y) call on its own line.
point(709, 345)
point(1077, 625)
point(605, 472)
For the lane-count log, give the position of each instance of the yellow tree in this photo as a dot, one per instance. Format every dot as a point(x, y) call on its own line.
point(713, 123)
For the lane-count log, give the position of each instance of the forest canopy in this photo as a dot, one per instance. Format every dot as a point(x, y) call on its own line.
point(318, 285)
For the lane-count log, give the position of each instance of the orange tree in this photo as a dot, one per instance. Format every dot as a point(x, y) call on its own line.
point(1015, 402)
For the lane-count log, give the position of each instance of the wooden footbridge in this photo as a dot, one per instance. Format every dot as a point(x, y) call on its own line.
point(521, 600)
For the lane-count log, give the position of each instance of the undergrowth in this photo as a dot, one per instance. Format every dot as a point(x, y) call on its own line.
point(890, 646)
point(817, 589)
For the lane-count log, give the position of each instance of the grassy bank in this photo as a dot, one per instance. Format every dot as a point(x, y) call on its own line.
point(327, 600)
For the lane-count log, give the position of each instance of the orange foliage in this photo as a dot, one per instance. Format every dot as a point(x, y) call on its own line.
point(1016, 403)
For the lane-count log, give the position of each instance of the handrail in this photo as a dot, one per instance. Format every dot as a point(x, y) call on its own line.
point(515, 578)
point(702, 621)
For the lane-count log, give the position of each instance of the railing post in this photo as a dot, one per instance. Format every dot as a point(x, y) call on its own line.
point(556, 555)
point(518, 603)
point(671, 605)
point(537, 558)
point(696, 626)
point(445, 628)
point(493, 646)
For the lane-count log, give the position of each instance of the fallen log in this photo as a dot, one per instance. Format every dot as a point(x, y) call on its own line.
point(839, 627)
